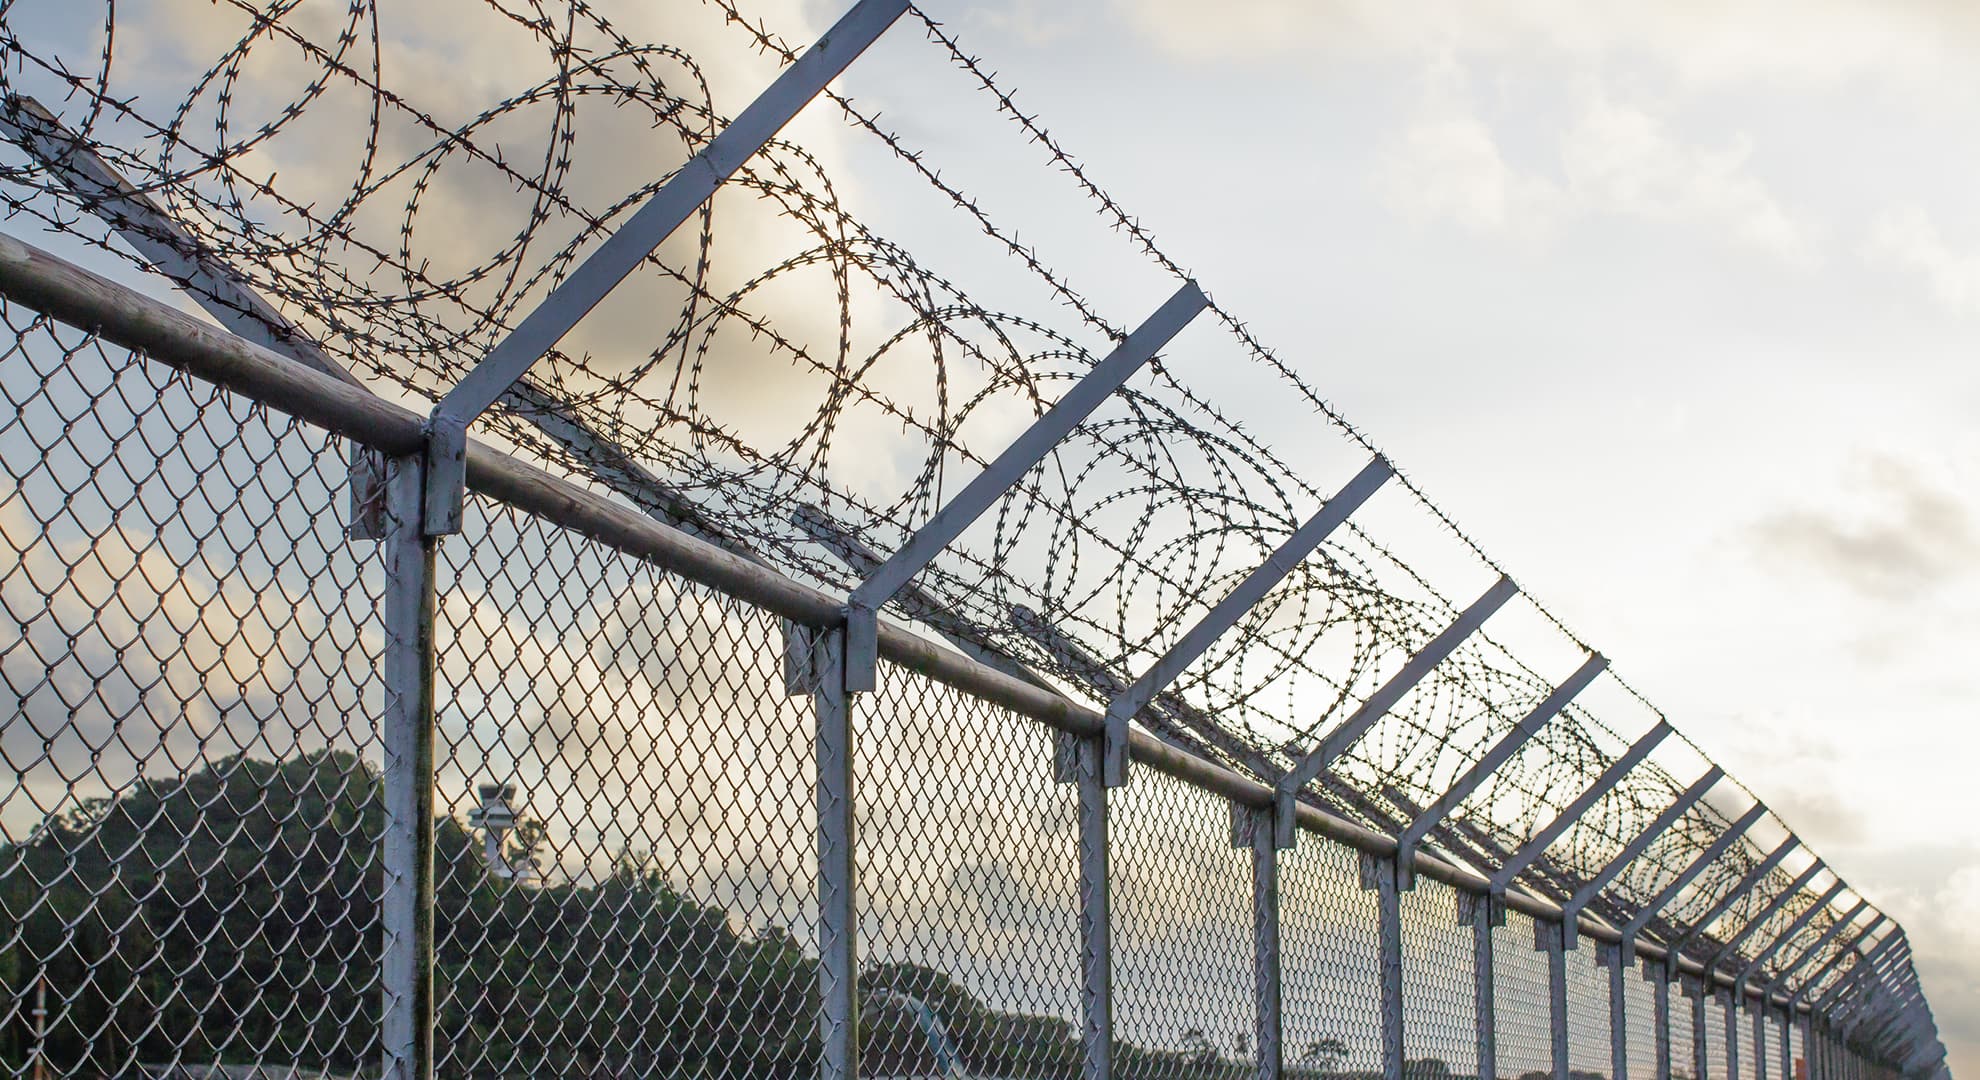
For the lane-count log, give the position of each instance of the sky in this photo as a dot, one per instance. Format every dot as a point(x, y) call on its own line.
point(1672, 306)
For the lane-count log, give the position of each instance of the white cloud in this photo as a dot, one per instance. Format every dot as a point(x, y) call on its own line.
point(1906, 239)
point(1620, 159)
point(1914, 44)
point(1447, 166)
point(1615, 159)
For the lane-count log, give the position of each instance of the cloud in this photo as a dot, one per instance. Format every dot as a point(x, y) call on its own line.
point(1614, 159)
point(1906, 239)
point(1447, 166)
point(1916, 44)
point(1911, 535)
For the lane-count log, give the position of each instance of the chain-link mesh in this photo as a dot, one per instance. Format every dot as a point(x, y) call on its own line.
point(969, 888)
point(1332, 997)
point(1183, 986)
point(1588, 1012)
point(188, 866)
point(1439, 1019)
point(624, 775)
point(1524, 1009)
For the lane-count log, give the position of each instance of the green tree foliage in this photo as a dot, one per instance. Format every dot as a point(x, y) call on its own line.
point(232, 917)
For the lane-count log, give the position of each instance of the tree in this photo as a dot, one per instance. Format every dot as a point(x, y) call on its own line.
point(1326, 1054)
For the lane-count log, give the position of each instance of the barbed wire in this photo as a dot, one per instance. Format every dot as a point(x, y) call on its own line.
point(1147, 513)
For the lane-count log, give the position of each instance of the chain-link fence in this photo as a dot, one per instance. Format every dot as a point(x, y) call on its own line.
point(832, 664)
point(626, 842)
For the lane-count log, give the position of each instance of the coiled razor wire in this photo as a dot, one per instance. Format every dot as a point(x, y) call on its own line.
point(885, 364)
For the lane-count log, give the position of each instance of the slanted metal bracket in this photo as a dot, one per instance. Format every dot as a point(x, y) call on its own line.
point(1204, 633)
point(1500, 753)
point(1787, 935)
point(1705, 858)
point(1382, 700)
point(1809, 984)
point(1729, 949)
point(626, 248)
point(1571, 911)
point(1603, 784)
point(1835, 930)
point(1675, 949)
point(1020, 457)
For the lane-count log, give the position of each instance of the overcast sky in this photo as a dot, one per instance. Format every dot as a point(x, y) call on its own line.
point(1707, 276)
point(1672, 306)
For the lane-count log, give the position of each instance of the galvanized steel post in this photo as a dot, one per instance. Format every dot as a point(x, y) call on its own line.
point(838, 884)
point(1251, 829)
point(406, 734)
point(1477, 910)
point(1553, 942)
point(1380, 874)
point(1731, 1032)
point(1699, 1058)
point(1080, 760)
point(1618, 1009)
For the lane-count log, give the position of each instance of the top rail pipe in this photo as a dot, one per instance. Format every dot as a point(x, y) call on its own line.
point(72, 295)
point(626, 248)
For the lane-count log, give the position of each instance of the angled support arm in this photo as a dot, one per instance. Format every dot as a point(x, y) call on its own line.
point(1605, 783)
point(1500, 753)
point(1781, 939)
point(1020, 457)
point(1802, 958)
point(1809, 984)
point(1834, 1001)
point(626, 248)
point(1730, 949)
point(1205, 632)
point(1746, 884)
point(1383, 699)
point(1710, 855)
point(1571, 911)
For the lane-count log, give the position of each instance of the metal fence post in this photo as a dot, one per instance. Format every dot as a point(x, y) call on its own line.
point(1079, 760)
point(1550, 940)
point(1477, 910)
point(1700, 1060)
point(1732, 1032)
point(1380, 874)
point(1660, 988)
point(1612, 956)
point(406, 733)
point(838, 925)
point(1252, 829)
